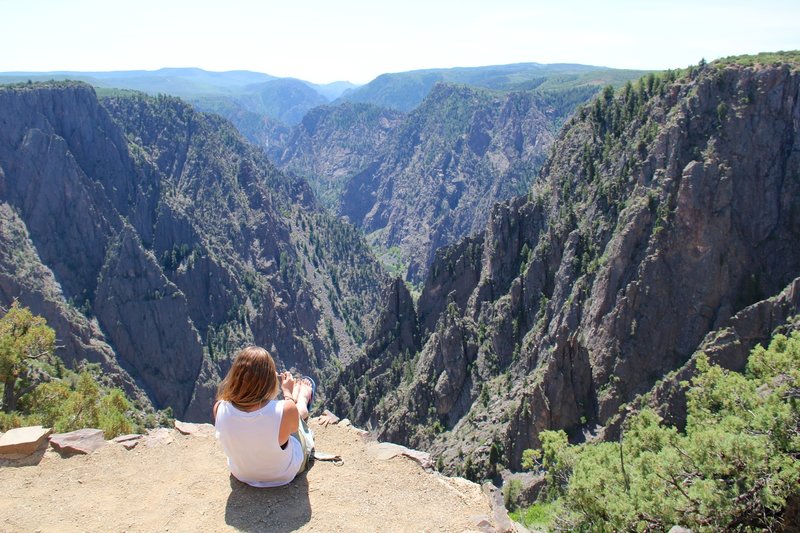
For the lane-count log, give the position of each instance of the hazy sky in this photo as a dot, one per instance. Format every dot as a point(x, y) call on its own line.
point(323, 41)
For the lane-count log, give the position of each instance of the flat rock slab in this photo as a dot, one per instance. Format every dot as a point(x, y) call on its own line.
point(82, 441)
point(188, 428)
point(384, 451)
point(20, 442)
point(128, 441)
point(127, 438)
point(158, 437)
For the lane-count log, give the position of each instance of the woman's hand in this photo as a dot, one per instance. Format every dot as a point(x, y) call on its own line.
point(287, 384)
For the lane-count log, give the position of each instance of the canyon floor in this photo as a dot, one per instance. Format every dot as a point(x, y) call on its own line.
point(176, 482)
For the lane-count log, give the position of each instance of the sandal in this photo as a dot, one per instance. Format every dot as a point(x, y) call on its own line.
point(313, 390)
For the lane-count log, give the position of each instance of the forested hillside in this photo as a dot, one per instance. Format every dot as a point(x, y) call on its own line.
point(404, 91)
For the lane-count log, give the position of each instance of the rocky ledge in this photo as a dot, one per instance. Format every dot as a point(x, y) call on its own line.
point(181, 481)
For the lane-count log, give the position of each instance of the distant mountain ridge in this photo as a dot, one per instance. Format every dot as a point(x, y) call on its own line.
point(288, 99)
point(283, 99)
point(406, 90)
point(194, 80)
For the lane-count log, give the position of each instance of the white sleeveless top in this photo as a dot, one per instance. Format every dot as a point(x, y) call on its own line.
point(250, 440)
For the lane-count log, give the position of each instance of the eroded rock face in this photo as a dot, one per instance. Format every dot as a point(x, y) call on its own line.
point(420, 181)
point(664, 210)
point(728, 347)
point(157, 243)
point(24, 277)
point(161, 345)
point(332, 143)
point(394, 340)
point(456, 155)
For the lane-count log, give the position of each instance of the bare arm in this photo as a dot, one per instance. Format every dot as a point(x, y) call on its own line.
point(290, 421)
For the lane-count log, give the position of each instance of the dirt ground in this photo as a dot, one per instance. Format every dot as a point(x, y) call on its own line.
point(175, 482)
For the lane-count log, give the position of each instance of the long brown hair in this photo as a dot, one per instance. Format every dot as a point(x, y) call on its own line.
point(251, 380)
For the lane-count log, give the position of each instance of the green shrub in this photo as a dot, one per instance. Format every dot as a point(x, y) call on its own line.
point(733, 468)
point(39, 390)
point(511, 491)
point(538, 516)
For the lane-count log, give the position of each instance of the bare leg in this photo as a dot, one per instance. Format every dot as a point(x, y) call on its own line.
point(296, 391)
point(303, 389)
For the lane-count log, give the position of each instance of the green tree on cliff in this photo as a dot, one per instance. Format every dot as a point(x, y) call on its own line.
point(24, 340)
point(37, 389)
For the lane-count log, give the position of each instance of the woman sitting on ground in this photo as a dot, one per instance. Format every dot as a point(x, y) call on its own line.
point(260, 420)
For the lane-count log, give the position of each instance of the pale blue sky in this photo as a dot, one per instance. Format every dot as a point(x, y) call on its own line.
point(323, 41)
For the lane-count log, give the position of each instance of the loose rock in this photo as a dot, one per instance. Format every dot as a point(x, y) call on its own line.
point(328, 418)
point(188, 428)
point(82, 441)
point(158, 437)
point(128, 441)
point(20, 442)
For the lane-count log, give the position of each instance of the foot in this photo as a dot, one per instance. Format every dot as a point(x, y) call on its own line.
point(296, 391)
point(304, 390)
point(288, 384)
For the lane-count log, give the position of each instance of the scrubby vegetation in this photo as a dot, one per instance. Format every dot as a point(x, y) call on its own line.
point(38, 389)
point(733, 469)
point(764, 58)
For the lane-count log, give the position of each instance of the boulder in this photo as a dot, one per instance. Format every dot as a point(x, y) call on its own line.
point(503, 524)
point(82, 441)
point(20, 442)
point(327, 418)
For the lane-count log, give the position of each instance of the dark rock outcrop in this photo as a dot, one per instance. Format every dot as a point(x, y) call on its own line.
point(728, 347)
point(132, 285)
point(156, 242)
point(387, 356)
point(664, 210)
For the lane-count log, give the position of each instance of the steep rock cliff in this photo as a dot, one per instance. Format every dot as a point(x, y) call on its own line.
point(332, 143)
point(664, 209)
point(418, 181)
point(456, 155)
point(162, 242)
